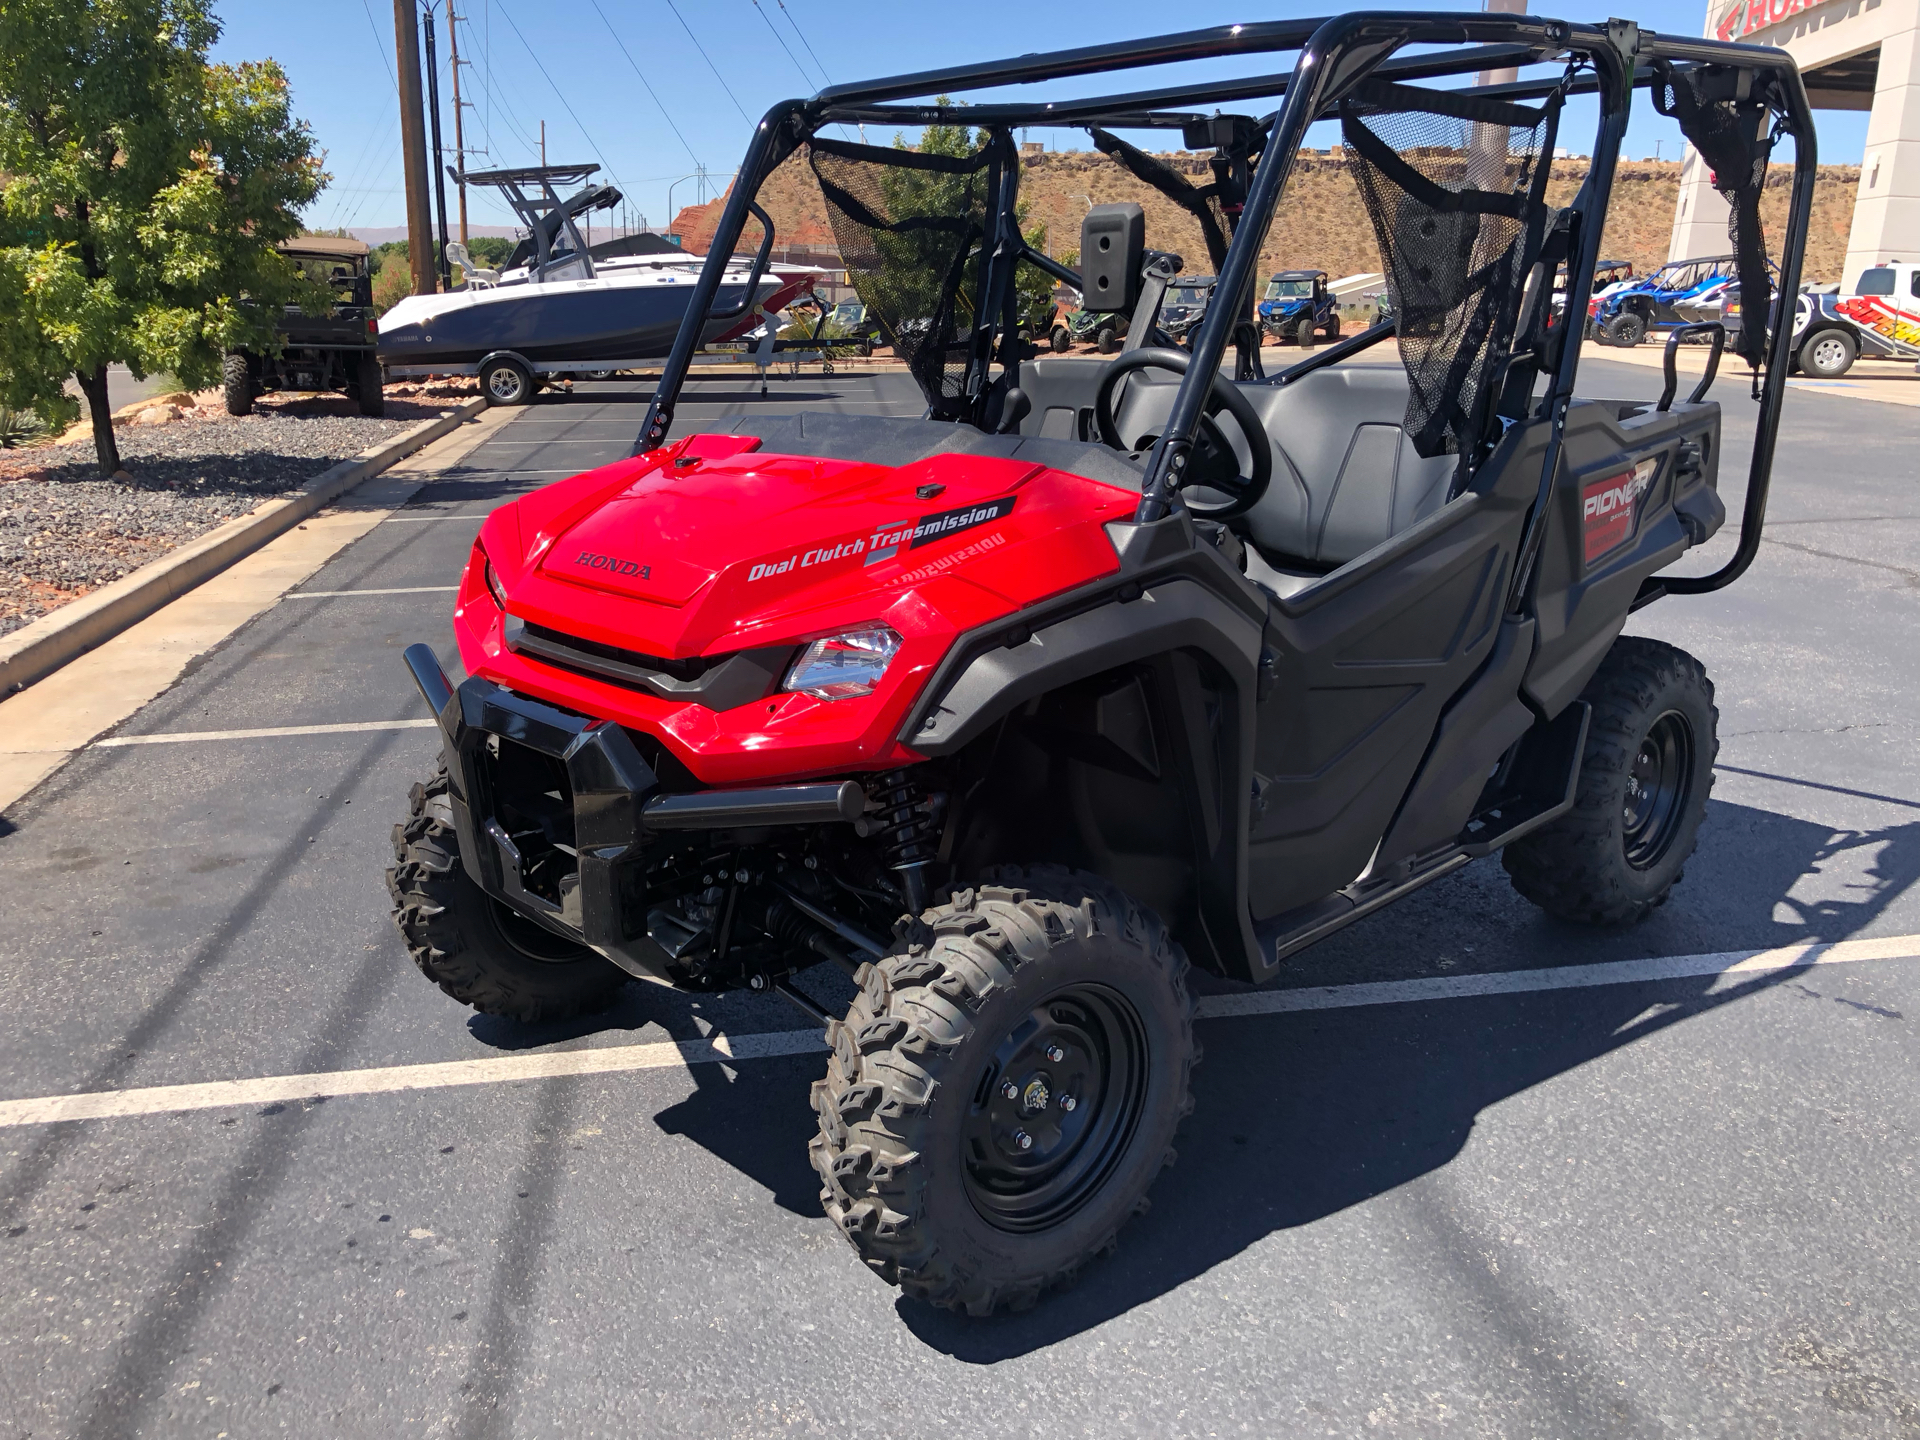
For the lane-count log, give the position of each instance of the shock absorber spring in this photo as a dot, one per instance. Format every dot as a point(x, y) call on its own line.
point(908, 828)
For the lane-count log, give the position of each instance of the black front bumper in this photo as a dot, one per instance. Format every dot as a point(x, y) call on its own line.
point(619, 812)
point(611, 783)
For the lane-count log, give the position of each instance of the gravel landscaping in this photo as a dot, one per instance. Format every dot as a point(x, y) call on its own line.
point(65, 530)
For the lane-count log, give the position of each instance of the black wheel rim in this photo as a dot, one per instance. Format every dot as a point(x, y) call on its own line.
point(1056, 1109)
point(1658, 783)
point(532, 939)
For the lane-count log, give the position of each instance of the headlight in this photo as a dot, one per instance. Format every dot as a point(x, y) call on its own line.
point(494, 587)
point(844, 666)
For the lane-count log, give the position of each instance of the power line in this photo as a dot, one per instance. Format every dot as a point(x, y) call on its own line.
point(782, 43)
point(803, 39)
point(380, 46)
point(665, 113)
point(710, 65)
point(558, 92)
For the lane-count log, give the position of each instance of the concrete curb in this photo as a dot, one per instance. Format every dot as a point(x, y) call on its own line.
point(37, 650)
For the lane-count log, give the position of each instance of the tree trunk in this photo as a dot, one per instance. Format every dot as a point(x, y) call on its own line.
point(105, 446)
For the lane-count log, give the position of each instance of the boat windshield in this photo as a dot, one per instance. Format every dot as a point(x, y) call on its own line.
point(1288, 289)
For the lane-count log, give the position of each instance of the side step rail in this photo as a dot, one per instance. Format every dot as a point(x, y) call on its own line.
point(1534, 785)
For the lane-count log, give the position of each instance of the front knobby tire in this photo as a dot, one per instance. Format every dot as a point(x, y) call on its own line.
point(996, 1008)
point(479, 951)
point(1644, 782)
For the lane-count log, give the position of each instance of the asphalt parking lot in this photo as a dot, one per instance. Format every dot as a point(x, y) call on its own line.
point(1663, 1206)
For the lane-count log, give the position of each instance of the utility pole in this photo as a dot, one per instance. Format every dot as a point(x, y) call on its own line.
point(543, 144)
point(439, 155)
point(459, 140)
point(413, 146)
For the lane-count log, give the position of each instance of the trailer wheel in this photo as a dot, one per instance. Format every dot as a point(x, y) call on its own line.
point(506, 382)
point(236, 384)
point(368, 385)
point(1643, 787)
point(1626, 330)
point(479, 951)
point(1828, 354)
point(1005, 1088)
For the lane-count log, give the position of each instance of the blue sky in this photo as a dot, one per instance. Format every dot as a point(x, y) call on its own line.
point(654, 89)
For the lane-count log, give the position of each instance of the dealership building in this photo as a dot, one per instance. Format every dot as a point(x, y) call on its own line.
point(1853, 55)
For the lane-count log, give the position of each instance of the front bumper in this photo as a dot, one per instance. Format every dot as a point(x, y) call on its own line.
point(604, 908)
point(618, 812)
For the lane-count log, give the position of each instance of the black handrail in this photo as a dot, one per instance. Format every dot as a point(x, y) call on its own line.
point(1670, 362)
point(779, 127)
point(759, 266)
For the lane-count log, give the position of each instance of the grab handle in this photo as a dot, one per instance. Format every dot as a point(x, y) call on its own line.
point(1670, 362)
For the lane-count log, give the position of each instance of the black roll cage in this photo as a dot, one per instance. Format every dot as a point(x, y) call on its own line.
point(1335, 55)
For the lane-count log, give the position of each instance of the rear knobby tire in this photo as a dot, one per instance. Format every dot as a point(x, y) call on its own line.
point(917, 1146)
point(369, 388)
point(469, 944)
point(1644, 782)
point(236, 385)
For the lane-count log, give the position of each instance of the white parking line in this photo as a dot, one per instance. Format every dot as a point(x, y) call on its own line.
point(393, 590)
point(1731, 967)
point(270, 732)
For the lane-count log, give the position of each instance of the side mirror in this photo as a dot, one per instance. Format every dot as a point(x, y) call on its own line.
point(1113, 249)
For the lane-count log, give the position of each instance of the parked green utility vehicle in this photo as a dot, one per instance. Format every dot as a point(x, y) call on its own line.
point(334, 351)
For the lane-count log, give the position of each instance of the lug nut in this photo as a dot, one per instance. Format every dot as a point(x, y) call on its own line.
point(1067, 1102)
point(1009, 1090)
point(1056, 1053)
point(1023, 1140)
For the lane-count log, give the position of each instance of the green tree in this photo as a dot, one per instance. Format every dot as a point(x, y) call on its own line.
point(145, 189)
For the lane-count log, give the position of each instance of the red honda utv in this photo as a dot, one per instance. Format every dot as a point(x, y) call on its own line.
point(1109, 664)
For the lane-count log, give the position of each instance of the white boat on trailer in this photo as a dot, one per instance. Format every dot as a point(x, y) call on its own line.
point(567, 308)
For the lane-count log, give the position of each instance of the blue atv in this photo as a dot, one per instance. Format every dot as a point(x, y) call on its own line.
point(1625, 317)
point(1297, 304)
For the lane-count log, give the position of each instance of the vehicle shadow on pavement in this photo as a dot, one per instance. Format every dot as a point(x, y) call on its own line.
point(1300, 1116)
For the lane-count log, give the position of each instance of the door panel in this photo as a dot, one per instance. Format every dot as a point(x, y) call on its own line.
point(1363, 662)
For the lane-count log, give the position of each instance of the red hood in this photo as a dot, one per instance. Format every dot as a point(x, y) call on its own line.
point(709, 547)
point(712, 545)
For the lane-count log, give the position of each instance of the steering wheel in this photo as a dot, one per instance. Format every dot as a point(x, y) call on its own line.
point(1211, 465)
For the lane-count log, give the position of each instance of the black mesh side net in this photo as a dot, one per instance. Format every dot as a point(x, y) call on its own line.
point(1456, 188)
point(1729, 129)
point(911, 228)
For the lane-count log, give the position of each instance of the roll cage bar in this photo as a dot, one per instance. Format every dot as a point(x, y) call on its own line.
point(1609, 61)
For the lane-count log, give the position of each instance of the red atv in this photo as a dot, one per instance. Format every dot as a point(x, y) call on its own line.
point(1108, 662)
